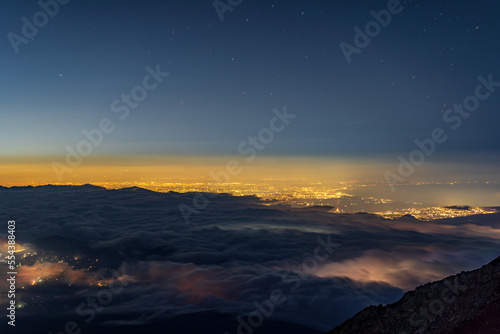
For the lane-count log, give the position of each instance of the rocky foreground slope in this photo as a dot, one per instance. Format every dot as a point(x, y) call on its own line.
point(465, 303)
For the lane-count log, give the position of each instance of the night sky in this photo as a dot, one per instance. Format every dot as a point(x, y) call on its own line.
point(225, 77)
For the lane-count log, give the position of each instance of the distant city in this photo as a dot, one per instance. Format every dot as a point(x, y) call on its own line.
point(299, 192)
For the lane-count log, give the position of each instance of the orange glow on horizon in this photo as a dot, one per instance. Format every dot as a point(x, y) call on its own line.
point(39, 171)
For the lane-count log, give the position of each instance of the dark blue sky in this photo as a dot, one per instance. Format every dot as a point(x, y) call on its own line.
point(225, 77)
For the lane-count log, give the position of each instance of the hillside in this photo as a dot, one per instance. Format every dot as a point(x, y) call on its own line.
point(465, 303)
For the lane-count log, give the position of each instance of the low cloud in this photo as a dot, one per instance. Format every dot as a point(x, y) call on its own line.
point(233, 255)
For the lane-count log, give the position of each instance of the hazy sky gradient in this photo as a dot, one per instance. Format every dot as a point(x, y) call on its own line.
point(225, 77)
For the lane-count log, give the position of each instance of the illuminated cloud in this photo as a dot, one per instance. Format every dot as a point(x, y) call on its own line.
point(233, 254)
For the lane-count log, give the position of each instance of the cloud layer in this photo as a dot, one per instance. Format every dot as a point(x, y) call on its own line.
point(231, 257)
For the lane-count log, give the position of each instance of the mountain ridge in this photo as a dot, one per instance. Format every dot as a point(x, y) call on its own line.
point(467, 302)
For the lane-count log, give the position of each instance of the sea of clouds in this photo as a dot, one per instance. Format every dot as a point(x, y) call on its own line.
point(231, 257)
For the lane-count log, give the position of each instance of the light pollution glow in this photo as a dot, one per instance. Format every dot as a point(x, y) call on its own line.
point(21, 171)
point(299, 181)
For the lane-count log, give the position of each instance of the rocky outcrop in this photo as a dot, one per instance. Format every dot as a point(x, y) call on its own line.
point(465, 303)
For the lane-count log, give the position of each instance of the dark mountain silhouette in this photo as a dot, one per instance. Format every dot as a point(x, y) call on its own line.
point(465, 303)
point(407, 218)
point(202, 322)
